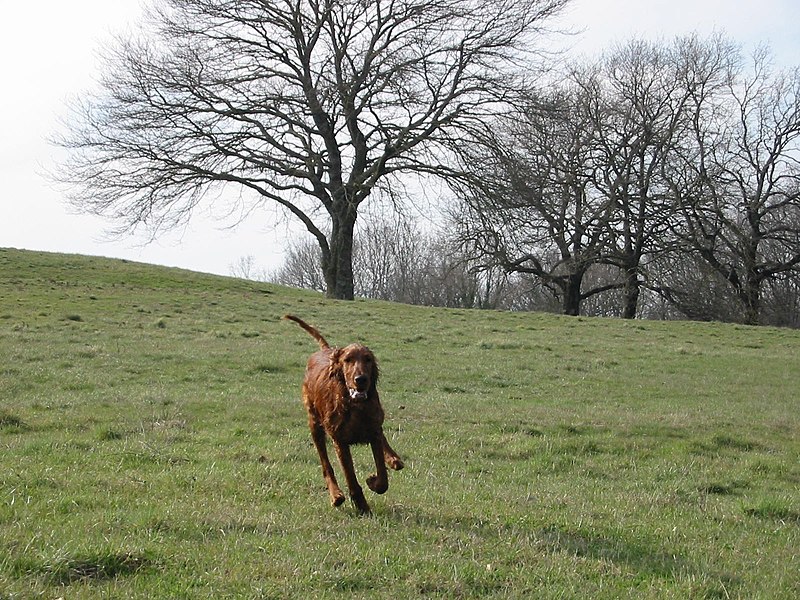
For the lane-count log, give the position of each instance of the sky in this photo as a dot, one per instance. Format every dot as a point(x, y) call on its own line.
point(49, 55)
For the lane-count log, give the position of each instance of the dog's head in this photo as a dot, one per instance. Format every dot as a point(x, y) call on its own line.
point(356, 366)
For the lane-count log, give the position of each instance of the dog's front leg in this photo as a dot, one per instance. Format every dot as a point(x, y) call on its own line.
point(356, 493)
point(318, 435)
point(390, 457)
point(379, 482)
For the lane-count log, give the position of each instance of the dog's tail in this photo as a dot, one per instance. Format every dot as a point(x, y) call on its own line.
point(314, 333)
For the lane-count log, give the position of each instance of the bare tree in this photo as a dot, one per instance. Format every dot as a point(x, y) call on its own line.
point(302, 267)
point(704, 71)
point(388, 258)
point(449, 278)
point(400, 262)
point(740, 187)
point(531, 206)
point(645, 161)
point(691, 289)
point(245, 268)
point(310, 104)
point(639, 115)
point(781, 305)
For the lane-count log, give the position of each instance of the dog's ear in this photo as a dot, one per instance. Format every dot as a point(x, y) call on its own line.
point(335, 365)
point(375, 371)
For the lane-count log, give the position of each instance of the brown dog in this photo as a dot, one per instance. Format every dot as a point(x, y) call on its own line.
point(341, 396)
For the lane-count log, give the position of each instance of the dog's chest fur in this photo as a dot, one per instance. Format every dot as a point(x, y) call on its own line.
point(354, 422)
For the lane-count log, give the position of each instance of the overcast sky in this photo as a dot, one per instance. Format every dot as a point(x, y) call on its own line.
point(48, 55)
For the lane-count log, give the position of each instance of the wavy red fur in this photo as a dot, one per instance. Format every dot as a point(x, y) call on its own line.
point(340, 394)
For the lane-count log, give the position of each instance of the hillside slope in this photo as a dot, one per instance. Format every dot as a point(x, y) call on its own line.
point(146, 412)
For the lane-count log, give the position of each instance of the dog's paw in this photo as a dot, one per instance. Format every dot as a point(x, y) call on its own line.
point(395, 463)
point(361, 504)
point(377, 486)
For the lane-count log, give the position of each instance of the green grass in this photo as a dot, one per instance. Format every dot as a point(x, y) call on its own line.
point(153, 445)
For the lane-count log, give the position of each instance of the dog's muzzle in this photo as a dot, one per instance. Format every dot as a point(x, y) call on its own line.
point(357, 394)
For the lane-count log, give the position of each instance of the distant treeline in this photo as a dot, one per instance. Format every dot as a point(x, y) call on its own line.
point(661, 180)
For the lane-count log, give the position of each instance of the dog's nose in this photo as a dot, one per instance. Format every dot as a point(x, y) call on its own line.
point(361, 380)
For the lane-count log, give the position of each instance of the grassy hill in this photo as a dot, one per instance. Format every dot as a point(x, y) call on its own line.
point(153, 445)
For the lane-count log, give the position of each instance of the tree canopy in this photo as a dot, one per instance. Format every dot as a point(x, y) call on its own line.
point(310, 104)
point(653, 167)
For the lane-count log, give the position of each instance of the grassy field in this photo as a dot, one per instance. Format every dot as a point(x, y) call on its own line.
point(153, 445)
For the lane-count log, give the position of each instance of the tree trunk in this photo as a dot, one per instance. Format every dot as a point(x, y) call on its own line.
point(630, 294)
point(750, 289)
point(572, 294)
point(338, 268)
point(750, 296)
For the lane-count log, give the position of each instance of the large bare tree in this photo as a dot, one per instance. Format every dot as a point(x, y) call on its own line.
point(739, 182)
point(635, 123)
point(530, 206)
point(310, 104)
